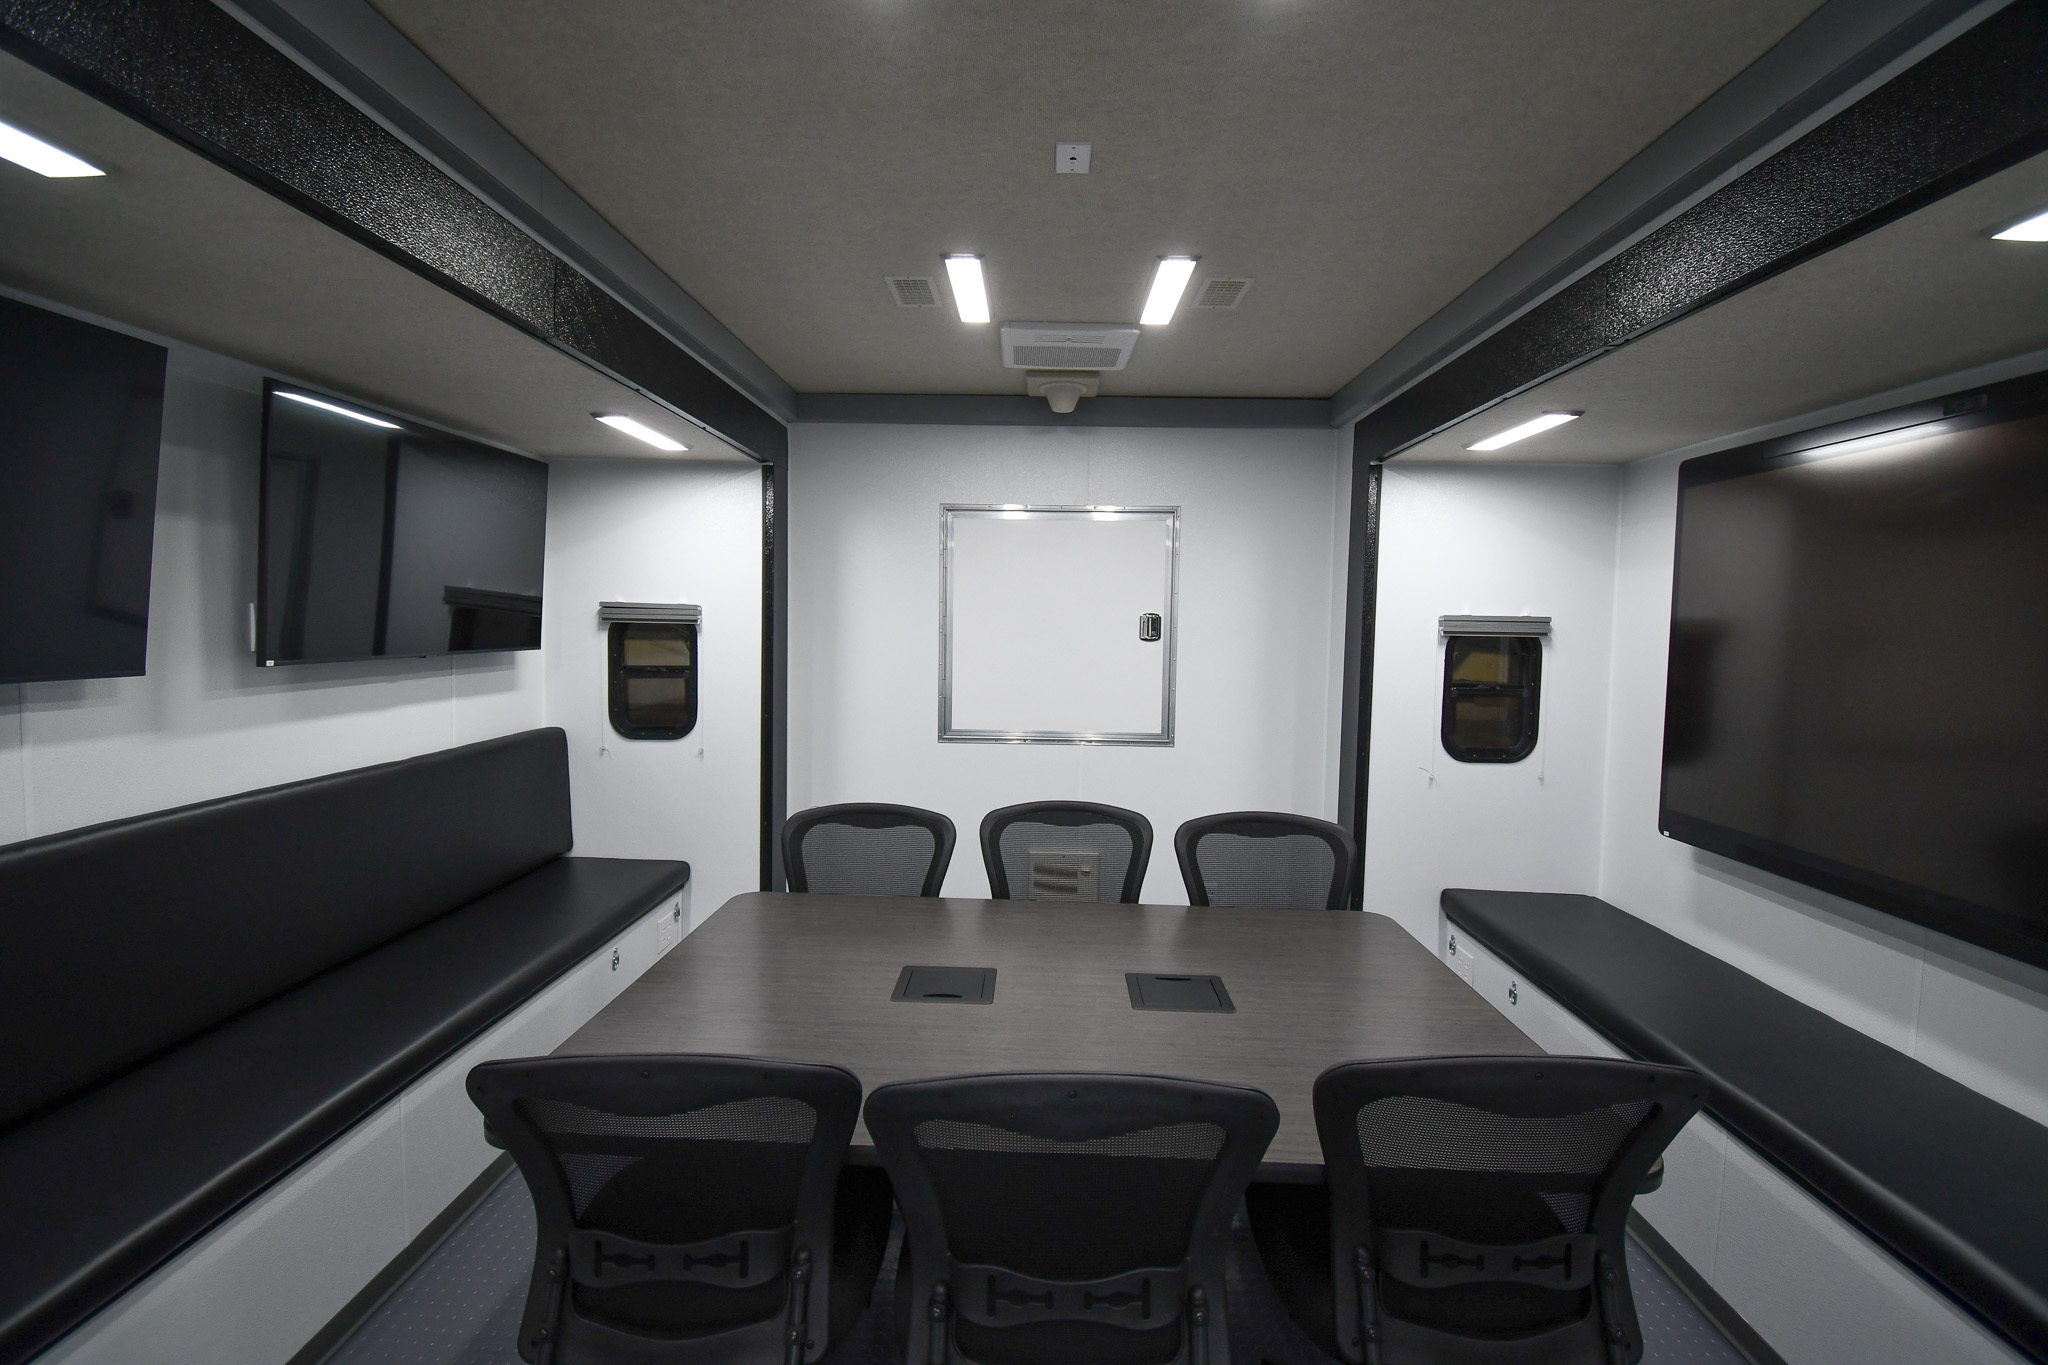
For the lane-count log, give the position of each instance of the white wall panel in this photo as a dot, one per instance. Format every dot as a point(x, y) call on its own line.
point(1823, 1294)
point(206, 721)
point(1499, 540)
point(661, 531)
point(1262, 534)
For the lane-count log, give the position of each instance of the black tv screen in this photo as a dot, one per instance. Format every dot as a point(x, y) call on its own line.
point(1858, 685)
point(81, 423)
point(383, 537)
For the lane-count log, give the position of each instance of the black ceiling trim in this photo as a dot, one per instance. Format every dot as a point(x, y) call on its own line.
point(1016, 410)
point(196, 73)
point(1966, 111)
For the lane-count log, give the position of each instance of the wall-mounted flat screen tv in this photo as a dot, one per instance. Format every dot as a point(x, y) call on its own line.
point(383, 537)
point(81, 424)
point(1858, 686)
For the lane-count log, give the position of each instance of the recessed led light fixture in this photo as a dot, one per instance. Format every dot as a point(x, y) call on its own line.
point(326, 406)
point(1523, 432)
point(1168, 285)
point(40, 157)
point(2035, 229)
point(638, 432)
point(970, 294)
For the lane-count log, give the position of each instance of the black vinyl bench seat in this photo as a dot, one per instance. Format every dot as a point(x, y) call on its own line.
point(1953, 1183)
point(346, 936)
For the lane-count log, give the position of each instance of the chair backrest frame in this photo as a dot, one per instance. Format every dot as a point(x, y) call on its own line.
point(868, 815)
point(1519, 1087)
point(1259, 824)
point(1077, 813)
point(1066, 1108)
point(552, 1331)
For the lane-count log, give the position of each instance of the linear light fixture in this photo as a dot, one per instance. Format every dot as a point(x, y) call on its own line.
point(1168, 284)
point(40, 157)
point(638, 431)
point(970, 293)
point(1523, 432)
point(2035, 229)
point(326, 406)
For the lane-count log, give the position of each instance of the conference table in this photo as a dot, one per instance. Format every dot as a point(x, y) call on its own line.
point(819, 978)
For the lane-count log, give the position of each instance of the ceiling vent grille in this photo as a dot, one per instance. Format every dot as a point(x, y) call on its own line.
point(914, 291)
point(1067, 345)
point(1222, 293)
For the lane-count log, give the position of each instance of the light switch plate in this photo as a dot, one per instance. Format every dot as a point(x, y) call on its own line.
point(1071, 158)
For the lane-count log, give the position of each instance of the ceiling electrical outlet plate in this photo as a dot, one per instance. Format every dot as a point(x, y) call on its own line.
point(947, 985)
point(1071, 158)
point(1193, 994)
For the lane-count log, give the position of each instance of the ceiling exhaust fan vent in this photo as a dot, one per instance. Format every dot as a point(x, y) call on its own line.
point(1222, 293)
point(914, 291)
point(1067, 345)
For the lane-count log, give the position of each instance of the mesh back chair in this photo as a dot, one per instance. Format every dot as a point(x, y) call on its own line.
point(690, 1209)
point(1476, 1209)
point(1073, 1218)
point(1066, 851)
point(867, 849)
point(1263, 860)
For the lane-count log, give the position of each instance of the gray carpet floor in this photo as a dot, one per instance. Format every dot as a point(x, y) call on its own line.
point(461, 1307)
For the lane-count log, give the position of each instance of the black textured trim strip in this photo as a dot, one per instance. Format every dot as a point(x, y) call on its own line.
point(1973, 108)
point(195, 73)
point(1361, 614)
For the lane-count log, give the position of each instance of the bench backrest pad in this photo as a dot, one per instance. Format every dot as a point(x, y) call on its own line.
point(123, 939)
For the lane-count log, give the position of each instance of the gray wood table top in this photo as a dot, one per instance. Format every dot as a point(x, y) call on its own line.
point(808, 977)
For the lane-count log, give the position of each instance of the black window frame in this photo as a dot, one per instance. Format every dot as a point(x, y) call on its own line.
point(618, 671)
point(1530, 691)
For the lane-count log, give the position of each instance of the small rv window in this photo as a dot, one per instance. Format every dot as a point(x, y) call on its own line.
point(1490, 687)
point(653, 692)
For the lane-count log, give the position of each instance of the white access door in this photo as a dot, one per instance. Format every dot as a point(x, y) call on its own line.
point(1046, 624)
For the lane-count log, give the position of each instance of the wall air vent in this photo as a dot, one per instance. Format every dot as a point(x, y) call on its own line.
point(1222, 293)
point(1067, 345)
point(914, 291)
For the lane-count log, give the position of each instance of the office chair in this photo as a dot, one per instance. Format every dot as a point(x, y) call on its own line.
point(690, 1208)
point(1264, 860)
point(867, 849)
point(1479, 1207)
point(1073, 1218)
point(1066, 850)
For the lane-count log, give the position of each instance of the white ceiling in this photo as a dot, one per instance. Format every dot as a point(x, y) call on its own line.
point(1362, 160)
point(170, 243)
point(1926, 296)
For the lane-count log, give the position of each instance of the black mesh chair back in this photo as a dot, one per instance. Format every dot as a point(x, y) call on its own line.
point(1072, 1218)
point(866, 849)
point(1478, 1205)
point(685, 1205)
point(1264, 860)
point(1066, 851)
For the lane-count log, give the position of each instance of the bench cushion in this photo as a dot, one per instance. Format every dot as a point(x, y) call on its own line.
point(97, 1192)
point(1953, 1183)
point(125, 938)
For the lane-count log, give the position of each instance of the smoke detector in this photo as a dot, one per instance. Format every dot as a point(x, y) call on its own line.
point(1067, 345)
point(1062, 388)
